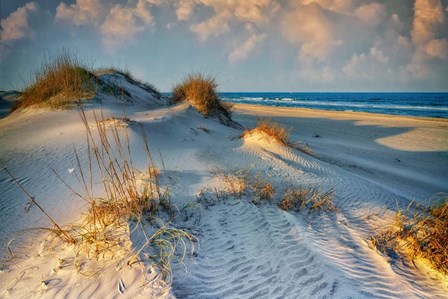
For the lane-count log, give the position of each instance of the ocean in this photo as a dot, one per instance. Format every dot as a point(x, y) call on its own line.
point(413, 104)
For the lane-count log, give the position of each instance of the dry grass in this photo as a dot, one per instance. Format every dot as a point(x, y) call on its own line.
point(60, 81)
point(236, 181)
point(299, 198)
point(270, 128)
point(200, 91)
point(261, 188)
point(130, 195)
point(419, 233)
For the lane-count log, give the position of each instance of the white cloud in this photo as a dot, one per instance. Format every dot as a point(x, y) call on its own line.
point(372, 13)
point(366, 65)
point(81, 13)
point(402, 42)
point(122, 23)
point(245, 49)
point(257, 12)
point(216, 25)
point(309, 26)
point(15, 26)
point(378, 55)
point(184, 9)
point(437, 48)
point(428, 15)
point(342, 6)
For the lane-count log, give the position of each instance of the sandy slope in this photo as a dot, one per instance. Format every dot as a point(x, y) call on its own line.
point(371, 161)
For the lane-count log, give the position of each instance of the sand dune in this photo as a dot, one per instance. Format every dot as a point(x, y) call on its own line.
point(372, 162)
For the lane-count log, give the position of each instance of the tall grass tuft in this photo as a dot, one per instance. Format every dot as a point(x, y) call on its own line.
point(299, 198)
point(61, 80)
point(419, 232)
point(272, 129)
point(200, 91)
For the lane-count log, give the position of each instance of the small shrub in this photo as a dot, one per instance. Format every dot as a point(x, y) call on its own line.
point(419, 233)
point(236, 181)
point(60, 81)
point(272, 129)
point(261, 188)
point(299, 198)
point(200, 91)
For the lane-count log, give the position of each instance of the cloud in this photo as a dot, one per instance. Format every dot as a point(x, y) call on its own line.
point(122, 23)
point(429, 18)
point(342, 6)
point(81, 13)
point(184, 9)
point(15, 26)
point(378, 55)
point(245, 49)
point(310, 27)
point(366, 65)
point(372, 13)
point(437, 48)
point(257, 12)
point(216, 25)
point(428, 15)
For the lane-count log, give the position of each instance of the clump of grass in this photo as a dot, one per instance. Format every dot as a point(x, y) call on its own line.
point(419, 233)
point(299, 198)
point(59, 82)
point(200, 91)
point(236, 181)
point(261, 188)
point(270, 128)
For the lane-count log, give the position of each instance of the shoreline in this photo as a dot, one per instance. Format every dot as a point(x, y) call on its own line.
point(315, 110)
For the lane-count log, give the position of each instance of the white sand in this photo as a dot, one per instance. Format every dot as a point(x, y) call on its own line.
point(371, 161)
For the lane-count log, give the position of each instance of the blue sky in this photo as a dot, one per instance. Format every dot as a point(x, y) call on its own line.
point(250, 45)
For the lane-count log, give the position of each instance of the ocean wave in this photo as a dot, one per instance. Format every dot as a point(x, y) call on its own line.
point(347, 105)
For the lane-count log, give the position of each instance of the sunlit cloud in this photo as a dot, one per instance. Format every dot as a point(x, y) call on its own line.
point(80, 13)
point(243, 51)
point(371, 13)
point(15, 26)
point(123, 23)
point(309, 27)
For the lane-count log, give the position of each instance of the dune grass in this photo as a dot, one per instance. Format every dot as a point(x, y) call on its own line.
point(60, 81)
point(131, 196)
point(299, 198)
point(200, 91)
point(270, 128)
point(419, 232)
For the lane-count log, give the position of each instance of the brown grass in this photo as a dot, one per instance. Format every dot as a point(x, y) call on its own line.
point(272, 129)
point(419, 232)
point(299, 198)
point(60, 81)
point(261, 188)
point(103, 231)
point(236, 181)
point(200, 91)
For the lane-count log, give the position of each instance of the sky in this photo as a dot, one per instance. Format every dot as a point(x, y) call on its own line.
point(248, 45)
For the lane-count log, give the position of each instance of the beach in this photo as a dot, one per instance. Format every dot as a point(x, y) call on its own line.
point(244, 247)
